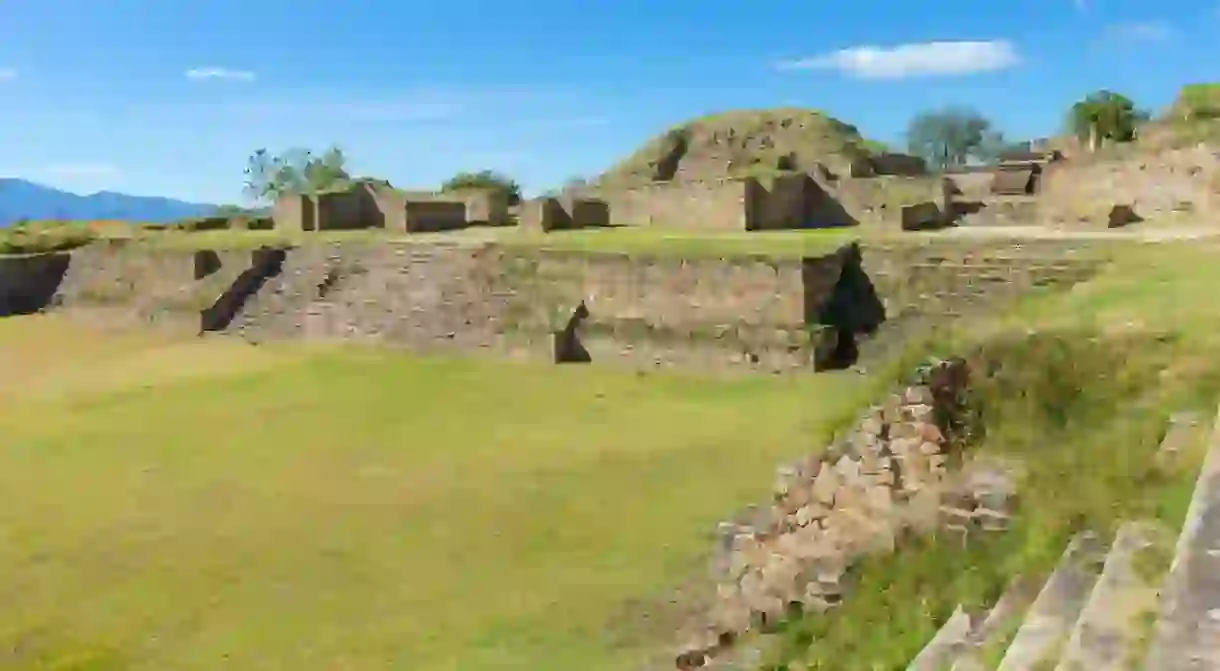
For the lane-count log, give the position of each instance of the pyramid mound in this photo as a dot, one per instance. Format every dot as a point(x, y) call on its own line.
point(744, 142)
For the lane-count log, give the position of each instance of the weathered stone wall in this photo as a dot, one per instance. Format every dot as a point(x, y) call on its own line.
point(933, 283)
point(710, 205)
point(748, 313)
point(28, 283)
point(879, 201)
point(434, 215)
point(370, 204)
point(1180, 186)
point(354, 208)
point(421, 296)
point(891, 473)
point(123, 285)
point(974, 185)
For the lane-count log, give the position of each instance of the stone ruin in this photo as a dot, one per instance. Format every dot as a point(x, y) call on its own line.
point(898, 471)
point(371, 204)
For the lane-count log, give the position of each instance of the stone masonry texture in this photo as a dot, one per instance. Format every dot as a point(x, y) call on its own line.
point(749, 313)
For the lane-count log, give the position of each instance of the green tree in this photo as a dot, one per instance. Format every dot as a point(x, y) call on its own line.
point(1105, 116)
point(952, 136)
point(484, 179)
point(293, 171)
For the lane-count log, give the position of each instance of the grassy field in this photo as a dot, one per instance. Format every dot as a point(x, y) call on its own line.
point(169, 504)
point(207, 505)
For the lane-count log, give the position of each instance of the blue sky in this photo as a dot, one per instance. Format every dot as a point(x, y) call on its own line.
point(169, 98)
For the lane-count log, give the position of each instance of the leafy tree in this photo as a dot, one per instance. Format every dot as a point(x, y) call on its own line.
point(953, 136)
point(294, 171)
point(1105, 116)
point(484, 179)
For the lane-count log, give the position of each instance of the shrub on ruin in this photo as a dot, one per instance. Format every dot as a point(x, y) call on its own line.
point(484, 179)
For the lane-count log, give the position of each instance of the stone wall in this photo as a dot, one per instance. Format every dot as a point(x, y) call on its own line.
point(1179, 186)
point(709, 205)
point(880, 201)
point(889, 474)
point(973, 185)
point(932, 283)
point(422, 296)
point(740, 312)
point(777, 202)
point(569, 212)
point(117, 285)
point(434, 215)
point(28, 283)
point(370, 204)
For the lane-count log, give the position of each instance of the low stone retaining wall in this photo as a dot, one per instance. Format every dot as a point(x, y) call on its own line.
point(892, 474)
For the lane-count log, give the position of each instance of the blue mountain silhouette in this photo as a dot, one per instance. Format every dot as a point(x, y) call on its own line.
point(21, 199)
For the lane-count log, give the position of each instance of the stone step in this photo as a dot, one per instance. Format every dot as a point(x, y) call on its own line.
point(1001, 623)
point(1187, 633)
point(1050, 619)
point(948, 644)
point(1114, 626)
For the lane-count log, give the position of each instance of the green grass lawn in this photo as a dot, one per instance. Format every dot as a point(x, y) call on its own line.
point(172, 504)
point(352, 509)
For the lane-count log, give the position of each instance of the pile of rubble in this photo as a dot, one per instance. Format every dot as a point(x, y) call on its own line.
point(898, 471)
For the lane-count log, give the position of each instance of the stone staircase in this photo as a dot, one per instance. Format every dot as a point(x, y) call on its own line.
point(1110, 604)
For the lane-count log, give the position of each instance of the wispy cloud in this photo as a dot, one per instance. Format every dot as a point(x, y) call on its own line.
point(199, 74)
point(1081, 5)
point(923, 59)
point(1140, 31)
point(7, 74)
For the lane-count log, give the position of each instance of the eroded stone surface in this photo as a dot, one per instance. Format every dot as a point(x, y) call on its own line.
point(889, 473)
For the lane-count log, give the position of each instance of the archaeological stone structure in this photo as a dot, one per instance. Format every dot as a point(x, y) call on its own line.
point(740, 312)
point(372, 204)
point(903, 466)
point(783, 201)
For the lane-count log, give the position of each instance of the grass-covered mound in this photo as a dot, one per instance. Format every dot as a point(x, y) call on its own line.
point(744, 142)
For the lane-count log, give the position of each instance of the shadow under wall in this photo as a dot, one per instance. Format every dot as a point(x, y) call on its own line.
point(29, 284)
point(265, 263)
point(821, 209)
point(568, 348)
point(852, 310)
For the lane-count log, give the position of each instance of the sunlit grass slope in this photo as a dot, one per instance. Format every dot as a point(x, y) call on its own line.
point(168, 505)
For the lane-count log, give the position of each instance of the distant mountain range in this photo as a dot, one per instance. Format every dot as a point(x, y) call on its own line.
point(20, 199)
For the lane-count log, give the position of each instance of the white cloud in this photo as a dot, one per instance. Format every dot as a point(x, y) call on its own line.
point(925, 59)
point(1140, 31)
point(7, 74)
point(198, 74)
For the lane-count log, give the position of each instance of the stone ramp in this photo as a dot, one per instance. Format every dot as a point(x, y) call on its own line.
point(1114, 625)
point(1187, 633)
point(1053, 614)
